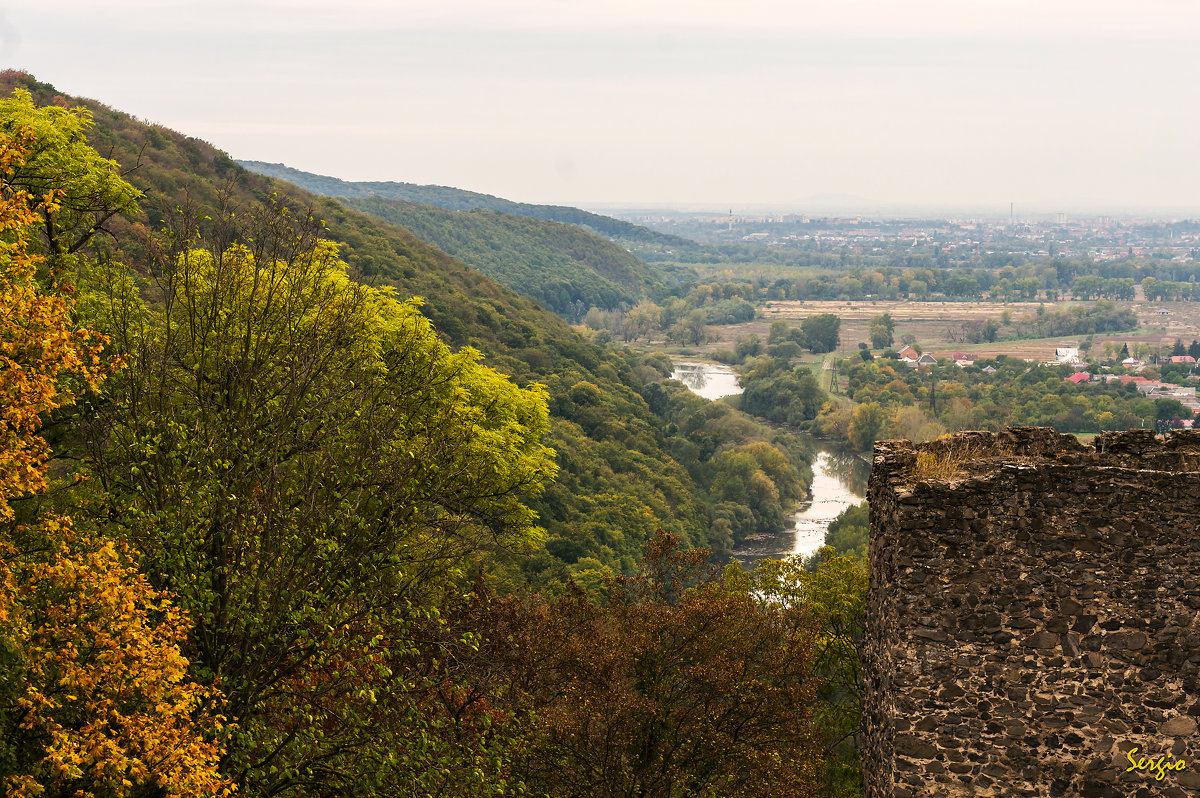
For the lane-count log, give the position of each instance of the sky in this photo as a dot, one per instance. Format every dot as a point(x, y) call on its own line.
point(1051, 104)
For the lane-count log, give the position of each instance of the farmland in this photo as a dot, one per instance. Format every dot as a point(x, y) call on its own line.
point(933, 324)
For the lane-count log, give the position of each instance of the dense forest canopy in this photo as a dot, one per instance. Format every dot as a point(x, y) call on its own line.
point(565, 268)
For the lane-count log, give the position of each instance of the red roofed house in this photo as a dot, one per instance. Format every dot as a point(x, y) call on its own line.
point(909, 353)
point(1078, 377)
point(1182, 359)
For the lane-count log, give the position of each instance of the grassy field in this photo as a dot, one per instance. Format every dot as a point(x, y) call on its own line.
point(933, 325)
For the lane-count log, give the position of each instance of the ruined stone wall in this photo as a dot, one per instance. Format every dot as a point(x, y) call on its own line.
point(1033, 615)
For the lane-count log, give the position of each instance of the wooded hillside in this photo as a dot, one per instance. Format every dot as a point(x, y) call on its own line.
point(293, 504)
point(567, 269)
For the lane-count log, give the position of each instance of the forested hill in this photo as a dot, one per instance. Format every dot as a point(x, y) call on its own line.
point(634, 452)
point(566, 268)
point(457, 199)
point(299, 505)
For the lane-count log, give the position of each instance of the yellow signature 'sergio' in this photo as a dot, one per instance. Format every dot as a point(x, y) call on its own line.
point(1160, 765)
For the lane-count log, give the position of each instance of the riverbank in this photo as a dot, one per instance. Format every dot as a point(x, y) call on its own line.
point(839, 477)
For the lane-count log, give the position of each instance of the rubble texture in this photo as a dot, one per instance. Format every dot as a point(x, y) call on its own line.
point(1034, 614)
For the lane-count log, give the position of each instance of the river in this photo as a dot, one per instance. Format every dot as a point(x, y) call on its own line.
point(708, 380)
point(839, 477)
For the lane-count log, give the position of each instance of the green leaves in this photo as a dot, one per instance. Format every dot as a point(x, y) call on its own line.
point(88, 191)
point(308, 466)
point(831, 591)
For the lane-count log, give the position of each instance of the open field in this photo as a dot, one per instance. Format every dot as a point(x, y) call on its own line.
point(933, 325)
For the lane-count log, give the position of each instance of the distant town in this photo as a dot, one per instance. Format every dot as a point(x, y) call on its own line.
point(1094, 237)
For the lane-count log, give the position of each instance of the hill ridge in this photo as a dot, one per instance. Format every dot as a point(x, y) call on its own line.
point(452, 198)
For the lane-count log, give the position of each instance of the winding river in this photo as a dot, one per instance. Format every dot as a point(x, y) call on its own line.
point(839, 477)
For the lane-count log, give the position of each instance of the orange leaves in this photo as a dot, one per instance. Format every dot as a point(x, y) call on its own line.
point(105, 693)
point(94, 695)
point(37, 342)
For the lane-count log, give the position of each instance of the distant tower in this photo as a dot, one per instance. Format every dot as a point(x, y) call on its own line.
point(1012, 213)
point(835, 385)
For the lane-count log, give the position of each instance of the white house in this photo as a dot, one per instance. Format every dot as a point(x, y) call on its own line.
point(1067, 354)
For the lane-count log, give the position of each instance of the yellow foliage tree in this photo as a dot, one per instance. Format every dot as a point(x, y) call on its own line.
point(105, 708)
point(37, 344)
point(94, 697)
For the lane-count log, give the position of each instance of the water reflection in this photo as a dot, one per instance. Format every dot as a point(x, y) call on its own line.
point(839, 476)
point(852, 470)
point(708, 380)
point(839, 482)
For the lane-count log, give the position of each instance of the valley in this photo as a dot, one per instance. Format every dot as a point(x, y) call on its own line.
point(391, 489)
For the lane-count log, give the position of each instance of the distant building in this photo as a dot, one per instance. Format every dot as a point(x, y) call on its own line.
point(1185, 396)
point(1182, 359)
point(926, 360)
point(1067, 354)
point(908, 353)
point(1078, 377)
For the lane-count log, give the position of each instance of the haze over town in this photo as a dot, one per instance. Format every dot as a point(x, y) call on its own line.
point(873, 106)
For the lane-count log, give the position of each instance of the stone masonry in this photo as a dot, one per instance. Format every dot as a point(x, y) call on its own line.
point(1034, 616)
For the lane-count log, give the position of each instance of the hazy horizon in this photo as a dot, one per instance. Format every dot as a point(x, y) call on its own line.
point(955, 104)
point(848, 205)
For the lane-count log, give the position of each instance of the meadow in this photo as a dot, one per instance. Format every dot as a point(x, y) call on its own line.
point(933, 325)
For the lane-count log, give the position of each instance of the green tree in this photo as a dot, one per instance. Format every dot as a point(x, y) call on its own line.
point(868, 421)
point(750, 346)
point(778, 332)
point(89, 191)
point(991, 328)
point(848, 533)
point(305, 466)
point(831, 589)
point(760, 477)
point(777, 392)
point(821, 332)
point(644, 318)
point(882, 331)
point(866, 424)
point(1170, 409)
point(692, 330)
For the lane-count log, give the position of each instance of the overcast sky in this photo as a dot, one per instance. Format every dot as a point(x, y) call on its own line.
point(973, 102)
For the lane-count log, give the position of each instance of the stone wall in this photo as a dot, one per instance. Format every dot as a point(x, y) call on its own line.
point(1033, 615)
